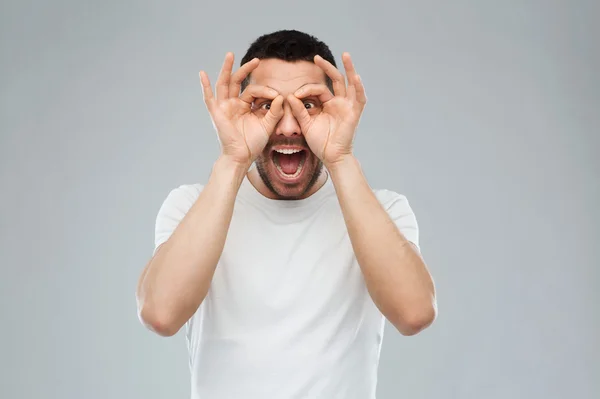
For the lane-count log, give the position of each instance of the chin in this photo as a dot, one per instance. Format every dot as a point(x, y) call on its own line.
point(289, 173)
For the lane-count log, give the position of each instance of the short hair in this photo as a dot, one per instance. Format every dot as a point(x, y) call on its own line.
point(288, 45)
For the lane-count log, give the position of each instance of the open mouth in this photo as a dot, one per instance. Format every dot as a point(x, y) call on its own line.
point(289, 162)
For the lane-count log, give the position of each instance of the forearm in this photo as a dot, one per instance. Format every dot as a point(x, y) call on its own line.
point(177, 278)
point(395, 274)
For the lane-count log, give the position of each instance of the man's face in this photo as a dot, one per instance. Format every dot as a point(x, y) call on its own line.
point(287, 166)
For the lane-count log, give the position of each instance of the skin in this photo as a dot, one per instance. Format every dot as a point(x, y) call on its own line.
point(285, 103)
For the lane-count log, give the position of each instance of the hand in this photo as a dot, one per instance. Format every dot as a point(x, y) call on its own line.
point(242, 133)
point(330, 133)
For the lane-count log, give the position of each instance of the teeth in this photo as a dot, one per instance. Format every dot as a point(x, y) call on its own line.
point(287, 151)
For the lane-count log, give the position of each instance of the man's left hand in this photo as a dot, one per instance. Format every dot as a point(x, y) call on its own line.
point(330, 132)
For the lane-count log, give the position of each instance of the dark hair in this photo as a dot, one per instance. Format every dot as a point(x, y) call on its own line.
point(288, 45)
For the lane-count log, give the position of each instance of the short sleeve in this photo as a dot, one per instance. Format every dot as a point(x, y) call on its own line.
point(401, 213)
point(172, 211)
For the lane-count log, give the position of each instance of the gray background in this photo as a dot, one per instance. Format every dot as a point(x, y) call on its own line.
point(485, 114)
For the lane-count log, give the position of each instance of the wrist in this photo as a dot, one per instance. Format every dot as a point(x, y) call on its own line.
point(346, 173)
point(345, 162)
point(230, 170)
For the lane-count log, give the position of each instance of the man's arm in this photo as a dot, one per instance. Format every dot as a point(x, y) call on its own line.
point(175, 281)
point(396, 276)
point(177, 278)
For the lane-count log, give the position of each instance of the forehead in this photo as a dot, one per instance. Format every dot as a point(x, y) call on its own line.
point(286, 77)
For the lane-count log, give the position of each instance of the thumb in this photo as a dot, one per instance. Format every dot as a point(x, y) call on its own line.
point(275, 113)
point(300, 112)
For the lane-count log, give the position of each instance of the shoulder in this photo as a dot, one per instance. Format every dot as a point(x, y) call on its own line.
point(180, 199)
point(173, 209)
point(389, 198)
point(188, 190)
point(397, 207)
point(184, 193)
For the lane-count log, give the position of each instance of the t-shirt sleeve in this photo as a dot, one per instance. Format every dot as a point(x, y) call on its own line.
point(401, 213)
point(173, 210)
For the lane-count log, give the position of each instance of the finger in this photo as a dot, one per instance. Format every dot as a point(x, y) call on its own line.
point(272, 117)
point(320, 91)
point(351, 93)
point(361, 96)
point(207, 92)
point(339, 84)
point(222, 85)
point(349, 68)
point(238, 77)
point(300, 112)
point(253, 92)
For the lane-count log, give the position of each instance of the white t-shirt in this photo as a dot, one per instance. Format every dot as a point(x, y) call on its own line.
point(288, 314)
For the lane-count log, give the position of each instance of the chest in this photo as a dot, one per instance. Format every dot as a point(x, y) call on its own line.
point(282, 266)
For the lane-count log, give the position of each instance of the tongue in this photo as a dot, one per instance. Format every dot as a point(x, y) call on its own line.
point(289, 162)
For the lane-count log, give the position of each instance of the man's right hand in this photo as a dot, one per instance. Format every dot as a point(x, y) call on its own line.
point(243, 133)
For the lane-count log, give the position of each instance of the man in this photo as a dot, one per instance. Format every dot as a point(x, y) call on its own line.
point(284, 273)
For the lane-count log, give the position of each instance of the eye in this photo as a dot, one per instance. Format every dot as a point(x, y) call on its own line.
point(264, 105)
point(309, 104)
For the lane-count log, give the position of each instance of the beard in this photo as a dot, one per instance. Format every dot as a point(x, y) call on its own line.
point(270, 172)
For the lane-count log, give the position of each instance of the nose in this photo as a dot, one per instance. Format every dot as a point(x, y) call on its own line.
point(288, 125)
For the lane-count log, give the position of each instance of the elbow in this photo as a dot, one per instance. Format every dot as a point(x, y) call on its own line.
point(413, 321)
point(159, 322)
